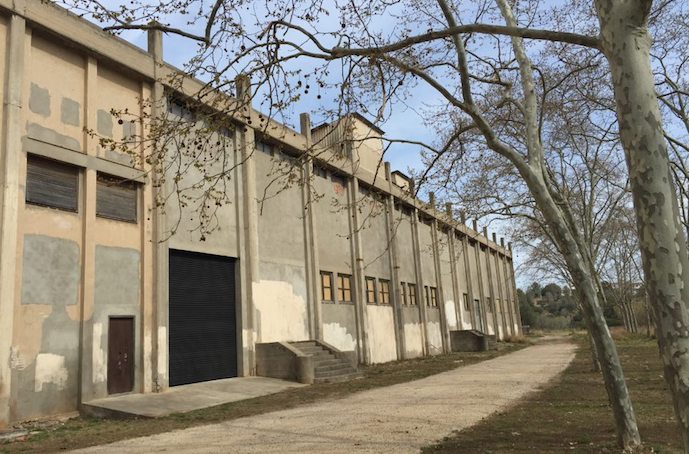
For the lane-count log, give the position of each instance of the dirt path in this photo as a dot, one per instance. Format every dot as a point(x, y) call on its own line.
point(399, 418)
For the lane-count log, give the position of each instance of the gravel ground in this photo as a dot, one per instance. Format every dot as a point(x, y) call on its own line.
point(399, 418)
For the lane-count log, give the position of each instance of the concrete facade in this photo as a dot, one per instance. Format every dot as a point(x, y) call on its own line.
point(65, 274)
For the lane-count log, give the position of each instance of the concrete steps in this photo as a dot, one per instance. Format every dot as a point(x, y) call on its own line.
point(328, 368)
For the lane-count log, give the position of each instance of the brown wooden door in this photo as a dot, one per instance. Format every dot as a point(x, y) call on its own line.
point(121, 355)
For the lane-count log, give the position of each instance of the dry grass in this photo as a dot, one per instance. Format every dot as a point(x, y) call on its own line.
point(572, 413)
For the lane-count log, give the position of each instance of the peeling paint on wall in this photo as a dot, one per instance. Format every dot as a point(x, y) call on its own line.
point(413, 339)
point(338, 336)
point(435, 338)
point(17, 361)
point(98, 355)
point(162, 351)
point(281, 312)
point(51, 271)
point(50, 368)
point(249, 339)
point(450, 314)
point(381, 334)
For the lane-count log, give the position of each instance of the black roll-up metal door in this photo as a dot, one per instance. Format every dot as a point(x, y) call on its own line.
point(202, 321)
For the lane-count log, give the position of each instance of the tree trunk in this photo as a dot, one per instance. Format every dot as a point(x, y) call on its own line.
point(626, 44)
point(579, 265)
point(595, 363)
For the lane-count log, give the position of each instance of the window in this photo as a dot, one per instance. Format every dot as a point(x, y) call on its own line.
point(371, 290)
point(467, 307)
point(320, 171)
point(52, 184)
point(489, 308)
point(384, 291)
point(434, 297)
point(265, 147)
point(326, 286)
point(427, 295)
point(412, 294)
point(344, 288)
point(116, 198)
point(405, 301)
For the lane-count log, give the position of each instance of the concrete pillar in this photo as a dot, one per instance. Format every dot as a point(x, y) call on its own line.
point(456, 296)
point(482, 297)
point(467, 272)
point(248, 219)
point(491, 289)
point(85, 390)
point(396, 295)
point(420, 293)
point(508, 295)
point(439, 283)
point(513, 284)
point(310, 236)
point(161, 230)
point(358, 272)
point(10, 161)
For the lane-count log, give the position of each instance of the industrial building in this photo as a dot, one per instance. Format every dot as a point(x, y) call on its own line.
point(103, 290)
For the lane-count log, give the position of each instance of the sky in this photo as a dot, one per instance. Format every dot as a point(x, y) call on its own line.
point(404, 122)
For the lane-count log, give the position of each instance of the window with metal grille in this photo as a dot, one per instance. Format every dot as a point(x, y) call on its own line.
point(412, 294)
point(427, 295)
point(52, 184)
point(265, 147)
point(384, 291)
point(344, 288)
point(467, 306)
point(403, 287)
point(434, 297)
point(116, 198)
point(489, 307)
point(371, 290)
point(326, 286)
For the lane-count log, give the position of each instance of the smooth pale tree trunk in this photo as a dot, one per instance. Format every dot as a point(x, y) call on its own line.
point(595, 364)
point(626, 44)
point(587, 286)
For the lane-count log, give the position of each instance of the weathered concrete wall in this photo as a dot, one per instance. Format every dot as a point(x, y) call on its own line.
point(486, 284)
point(381, 337)
point(405, 245)
point(280, 295)
point(374, 236)
point(434, 331)
point(339, 326)
point(462, 284)
point(413, 331)
point(56, 104)
point(446, 279)
point(45, 353)
point(426, 253)
point(331, 217)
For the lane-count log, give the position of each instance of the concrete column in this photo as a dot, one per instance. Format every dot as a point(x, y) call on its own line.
point(85, 390)
point(508, 294)
point(358, 272)
point(10, 162)
point(420, 293)
point(500, 284)
point(513, 285)
point(457, 297)
point(310, 236)
point(439, 283)
point(148, 324)
point(249, 259)
point(161, 253)
point(479, 273)
point(491, 289)
point(393, 254)
point(467, 272)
